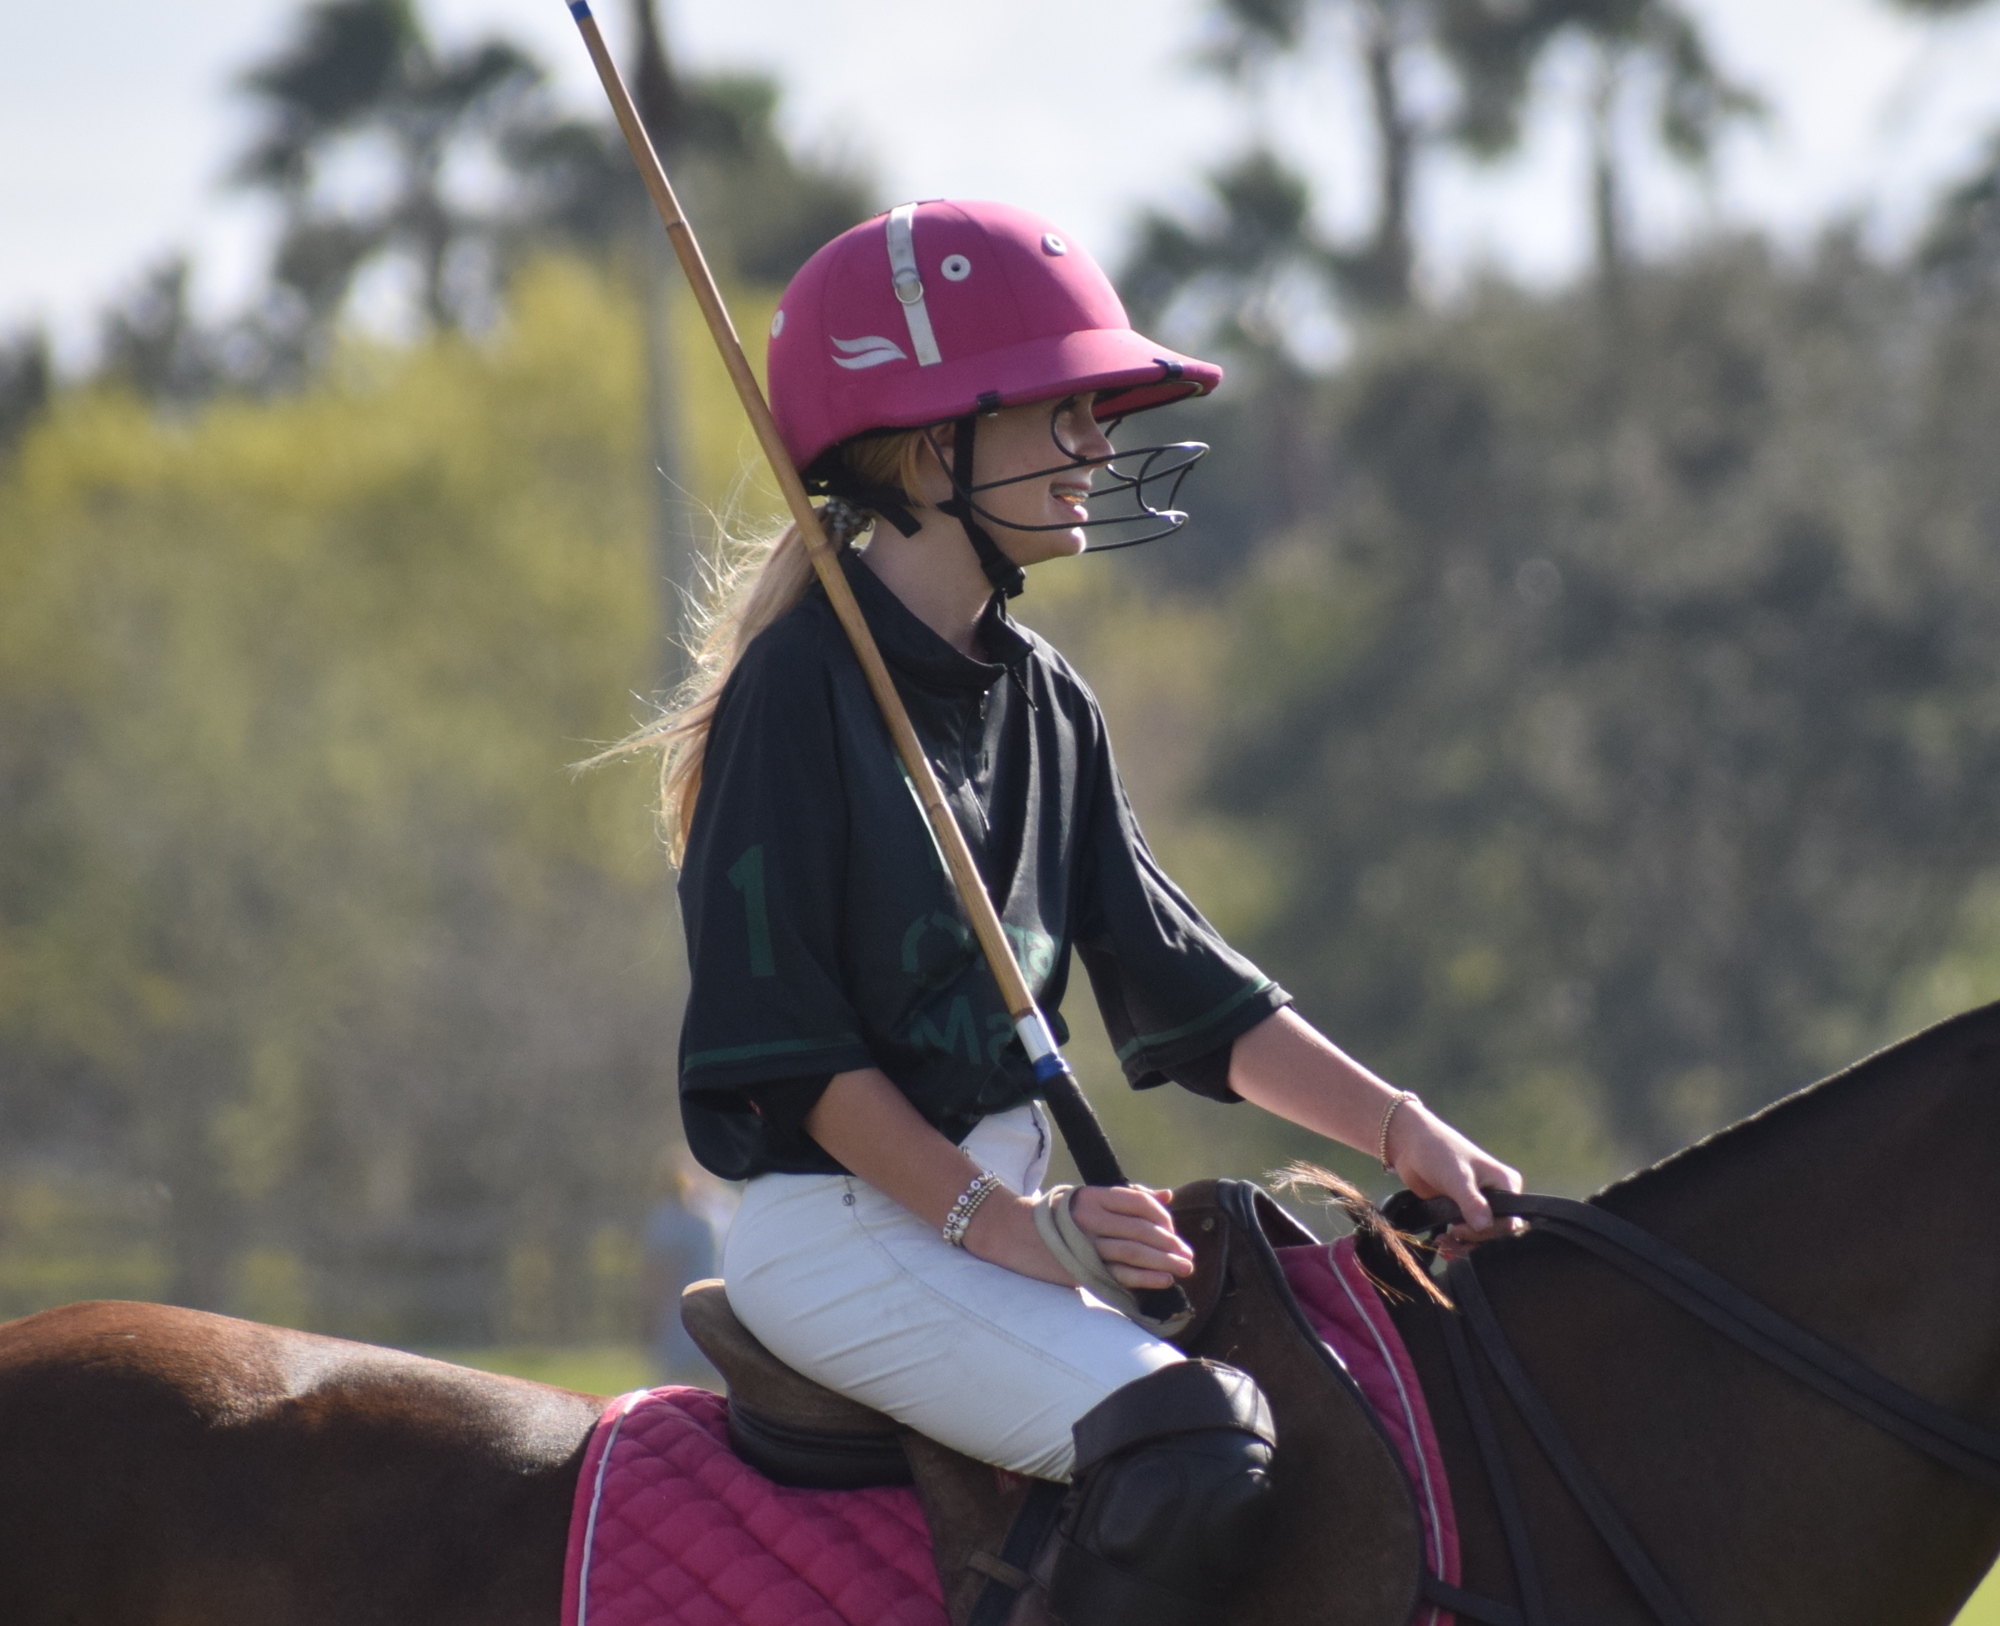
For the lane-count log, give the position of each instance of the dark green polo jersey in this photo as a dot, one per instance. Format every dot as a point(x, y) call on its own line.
point(823, 930)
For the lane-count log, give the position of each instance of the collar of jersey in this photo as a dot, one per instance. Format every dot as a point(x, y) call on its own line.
point(907, 644)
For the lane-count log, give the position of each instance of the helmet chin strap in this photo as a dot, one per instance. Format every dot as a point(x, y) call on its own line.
point(1007, 577)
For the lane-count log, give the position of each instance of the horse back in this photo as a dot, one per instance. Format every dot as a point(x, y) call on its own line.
point(165, 1467)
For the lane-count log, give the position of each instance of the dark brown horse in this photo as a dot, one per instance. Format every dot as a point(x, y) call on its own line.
point(1866, 1209)
point(160, 1467)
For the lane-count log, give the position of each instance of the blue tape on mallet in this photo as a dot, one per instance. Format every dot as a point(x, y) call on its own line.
point(579, 9)
point(1050, 1066)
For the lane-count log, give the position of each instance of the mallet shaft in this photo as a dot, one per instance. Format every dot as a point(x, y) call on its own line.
point(1095, 1160)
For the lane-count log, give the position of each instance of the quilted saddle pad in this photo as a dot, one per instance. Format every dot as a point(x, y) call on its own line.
point(671, 1529)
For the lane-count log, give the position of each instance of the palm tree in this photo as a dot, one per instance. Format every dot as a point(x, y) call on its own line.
point(1963, 242)
point(1245, 280)
point(362, 68)
point(1496, 45)
point(1227, 278)
point(1376, 274)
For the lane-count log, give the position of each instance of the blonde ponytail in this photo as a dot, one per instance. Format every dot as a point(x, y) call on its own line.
point(751, 586)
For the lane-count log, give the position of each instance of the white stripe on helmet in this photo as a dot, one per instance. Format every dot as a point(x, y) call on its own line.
point(909, 285)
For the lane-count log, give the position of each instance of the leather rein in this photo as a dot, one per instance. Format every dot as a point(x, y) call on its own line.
point(1953, 1440)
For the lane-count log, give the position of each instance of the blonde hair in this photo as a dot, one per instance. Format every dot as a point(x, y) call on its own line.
point(751, 584)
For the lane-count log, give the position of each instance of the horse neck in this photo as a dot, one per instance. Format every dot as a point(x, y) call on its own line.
point(1861, 1208)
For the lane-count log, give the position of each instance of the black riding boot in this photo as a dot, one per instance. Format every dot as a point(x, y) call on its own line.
point(1172, 1484)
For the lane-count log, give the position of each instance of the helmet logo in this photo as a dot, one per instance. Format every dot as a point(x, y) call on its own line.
point(778, 322)
point(1052, 244)
point(872, 351)
point(956, 268)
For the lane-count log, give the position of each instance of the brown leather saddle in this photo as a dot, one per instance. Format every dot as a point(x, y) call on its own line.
point(1347, 1549)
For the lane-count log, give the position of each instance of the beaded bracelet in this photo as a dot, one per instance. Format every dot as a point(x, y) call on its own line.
point(959, 1220)
point(1382, 1147)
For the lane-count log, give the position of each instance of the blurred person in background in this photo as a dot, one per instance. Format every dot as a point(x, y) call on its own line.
point(681, 1243)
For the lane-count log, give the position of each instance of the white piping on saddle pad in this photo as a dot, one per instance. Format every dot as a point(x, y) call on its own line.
point(1436, 1537)
point(596, 1497)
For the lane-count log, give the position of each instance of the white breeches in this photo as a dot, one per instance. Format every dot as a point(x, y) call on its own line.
point(850, 1288)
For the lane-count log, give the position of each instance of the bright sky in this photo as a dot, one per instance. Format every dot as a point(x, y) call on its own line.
point(116, 124)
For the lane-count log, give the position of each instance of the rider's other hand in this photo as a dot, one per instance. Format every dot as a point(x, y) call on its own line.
point(1435, 1160)
point(1134, 1233)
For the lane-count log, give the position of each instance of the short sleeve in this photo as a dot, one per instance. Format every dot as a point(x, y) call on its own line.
point(1173, 994)
point(761, 887)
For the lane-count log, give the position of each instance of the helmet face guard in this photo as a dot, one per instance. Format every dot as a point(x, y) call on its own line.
point(937, 313)
point(1144, 483)
point(1136, 506)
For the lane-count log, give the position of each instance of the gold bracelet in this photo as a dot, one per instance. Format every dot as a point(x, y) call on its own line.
point(959, 1220)
point(1382, 1147)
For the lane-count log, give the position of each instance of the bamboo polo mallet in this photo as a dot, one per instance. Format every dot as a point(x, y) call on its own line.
point(1081, 1131)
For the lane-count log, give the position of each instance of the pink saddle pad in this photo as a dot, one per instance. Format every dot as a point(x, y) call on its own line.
point(670, 1528)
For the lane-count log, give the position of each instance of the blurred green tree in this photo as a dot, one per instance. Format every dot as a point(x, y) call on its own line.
point(1625, 763)
point(362, 71)
point(152, 341)
point(1657, 45)
point(1489, 51)
point(1252, 275)
point(1248, 282)
point(362, 78)
point(369, 132)
point(760, 206)
point(300, 916)
point(1963, 242)
point(1377, 273)
point(25, 381)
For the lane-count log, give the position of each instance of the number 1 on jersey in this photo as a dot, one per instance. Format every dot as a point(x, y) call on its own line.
point(747, 876)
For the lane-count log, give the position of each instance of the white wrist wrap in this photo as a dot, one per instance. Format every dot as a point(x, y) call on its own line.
point(1077, 1253)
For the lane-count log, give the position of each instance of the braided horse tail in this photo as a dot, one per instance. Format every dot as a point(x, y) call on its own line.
point(1369, 1222)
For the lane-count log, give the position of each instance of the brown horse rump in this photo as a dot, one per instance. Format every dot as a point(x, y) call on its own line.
point(671, 1528)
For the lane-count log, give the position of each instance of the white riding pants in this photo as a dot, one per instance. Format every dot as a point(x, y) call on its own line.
point(850, 1288)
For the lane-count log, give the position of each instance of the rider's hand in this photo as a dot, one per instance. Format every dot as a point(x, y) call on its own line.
point(1132, 1230)
point(1134, 1233)
point(1435, 1160)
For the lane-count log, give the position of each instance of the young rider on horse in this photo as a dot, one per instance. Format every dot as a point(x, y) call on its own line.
point(944, 374)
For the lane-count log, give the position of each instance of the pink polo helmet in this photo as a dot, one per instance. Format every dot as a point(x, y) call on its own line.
point(937, 310)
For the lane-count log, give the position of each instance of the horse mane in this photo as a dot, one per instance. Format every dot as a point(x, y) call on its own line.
point(1783, 1117)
